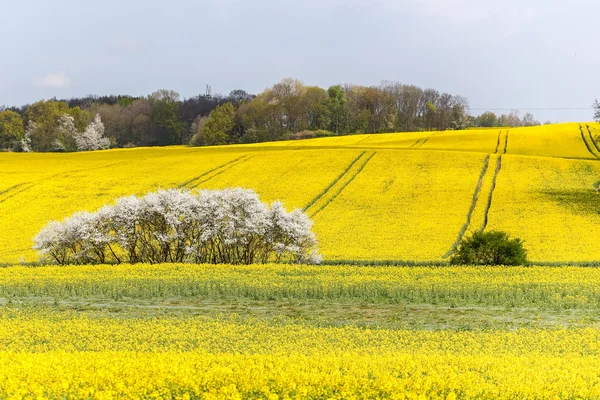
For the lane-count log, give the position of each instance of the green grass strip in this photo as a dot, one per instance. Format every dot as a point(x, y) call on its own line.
point(465, 226)
point(344, 185)
point(324, 191)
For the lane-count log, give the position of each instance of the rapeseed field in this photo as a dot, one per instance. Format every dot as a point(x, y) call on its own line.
point(146, 331)
point(333, 331)
point(388, 197)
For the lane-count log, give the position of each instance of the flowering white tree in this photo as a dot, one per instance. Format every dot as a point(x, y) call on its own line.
point(29, 132)
point(67, 132)
point(223, 226)
point(93, 137)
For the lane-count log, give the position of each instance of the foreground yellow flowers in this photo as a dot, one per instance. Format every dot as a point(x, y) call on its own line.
point(62, 356)
point(110, 375)
point(142, 331)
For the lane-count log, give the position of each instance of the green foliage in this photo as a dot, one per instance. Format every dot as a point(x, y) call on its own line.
point(337, 101)
point(318, 113)
point(125, 101)
point(165, 114)
point(279, 112)
point(46, 115)
point(11, 127)
point(217, 127)
point(490, 248)
point(487, 120)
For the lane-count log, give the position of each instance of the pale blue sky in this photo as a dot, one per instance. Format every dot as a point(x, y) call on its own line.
point(499, 54)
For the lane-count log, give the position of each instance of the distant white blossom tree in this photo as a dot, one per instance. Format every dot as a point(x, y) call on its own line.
point(223, 226)
point(93, 137)
point(67, 132)
point(29, 132)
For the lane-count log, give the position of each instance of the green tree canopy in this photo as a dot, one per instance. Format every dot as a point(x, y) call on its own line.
point(11, 127)
point(47, 116)
point(165, 113)
point(487, 119)
point(218, 126)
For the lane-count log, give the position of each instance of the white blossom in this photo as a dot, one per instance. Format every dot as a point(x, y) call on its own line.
point(29, 132)
point(93, 137)
point(219, 226)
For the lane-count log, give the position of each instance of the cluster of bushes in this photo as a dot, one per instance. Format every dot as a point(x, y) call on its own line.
point(229, 226)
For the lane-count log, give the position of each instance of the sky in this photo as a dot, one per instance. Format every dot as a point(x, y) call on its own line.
point(539, 56)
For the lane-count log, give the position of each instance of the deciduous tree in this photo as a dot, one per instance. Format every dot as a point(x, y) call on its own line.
point(596, 107)
point(217, 127)
point(11, 128)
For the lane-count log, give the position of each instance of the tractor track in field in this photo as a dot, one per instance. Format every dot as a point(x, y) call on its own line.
point(196, 178)
point(341, 189)
point(364, 140)
point(12, 193)
point(336, 180)
point(10, 189)
point(498, 143)
point(505, 142)
point(589, 130)
point(465, 226)
point(225, 168)
point(416, 143)
point(424, 141)
point(491, 194)
point(587, 145)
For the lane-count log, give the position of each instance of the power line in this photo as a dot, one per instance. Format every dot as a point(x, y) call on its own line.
point(533, 109)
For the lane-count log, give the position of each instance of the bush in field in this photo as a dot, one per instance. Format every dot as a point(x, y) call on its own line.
point(223, 226)
point(490, 248)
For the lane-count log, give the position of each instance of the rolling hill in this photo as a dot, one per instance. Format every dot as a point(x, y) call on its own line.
point(402, 196)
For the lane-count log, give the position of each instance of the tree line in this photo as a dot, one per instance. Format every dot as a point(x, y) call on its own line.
point(489, 119)
point(287, 110)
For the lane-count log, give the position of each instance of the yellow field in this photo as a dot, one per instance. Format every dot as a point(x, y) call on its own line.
point(227, 360)
point(551, 204)
point(404, 196)
point(230, 332)
point(323, 332)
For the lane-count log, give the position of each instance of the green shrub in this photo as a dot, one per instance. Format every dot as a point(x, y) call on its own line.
point(490, 248)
